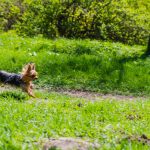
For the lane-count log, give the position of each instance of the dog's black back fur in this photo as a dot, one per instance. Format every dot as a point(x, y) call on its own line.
point(11, 78)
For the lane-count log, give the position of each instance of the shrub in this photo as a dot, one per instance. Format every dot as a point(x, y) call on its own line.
point(107, 20)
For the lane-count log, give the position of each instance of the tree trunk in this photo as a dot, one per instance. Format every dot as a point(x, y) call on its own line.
point(148, 48)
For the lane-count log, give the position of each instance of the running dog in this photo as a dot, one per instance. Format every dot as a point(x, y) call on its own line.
point(23, 80)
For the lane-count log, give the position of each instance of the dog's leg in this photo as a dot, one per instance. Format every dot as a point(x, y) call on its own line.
point(31, 85)
point(30, 93)
point(28, 90)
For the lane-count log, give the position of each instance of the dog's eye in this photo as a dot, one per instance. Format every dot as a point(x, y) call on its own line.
point(32, 76)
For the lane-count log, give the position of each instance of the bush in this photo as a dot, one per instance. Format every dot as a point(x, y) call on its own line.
point(107, 20)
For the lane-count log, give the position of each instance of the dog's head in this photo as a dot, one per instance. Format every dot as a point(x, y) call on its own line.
point(29, 73)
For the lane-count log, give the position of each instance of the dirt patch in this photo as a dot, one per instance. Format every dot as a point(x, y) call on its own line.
point(6, 88)
point(93, 96)
point(69, 144)
point(134, 117)
point(142, 139)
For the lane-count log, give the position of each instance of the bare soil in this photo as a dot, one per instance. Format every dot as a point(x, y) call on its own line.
point(91, 96)
point(69, 144)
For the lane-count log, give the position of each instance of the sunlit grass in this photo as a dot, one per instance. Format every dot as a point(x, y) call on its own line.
point(79, 64)
point(113, 124)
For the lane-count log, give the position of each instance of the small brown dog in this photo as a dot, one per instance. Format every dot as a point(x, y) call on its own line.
point(23, 80)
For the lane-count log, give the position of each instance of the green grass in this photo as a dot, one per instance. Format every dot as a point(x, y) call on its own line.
point(113, 124)
point(79, 64)
point(75, 64)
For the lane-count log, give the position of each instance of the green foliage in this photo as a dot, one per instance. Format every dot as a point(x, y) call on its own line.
point(123, 21)
point(10, 12)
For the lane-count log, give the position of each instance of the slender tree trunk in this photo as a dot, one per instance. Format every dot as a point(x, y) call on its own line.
point(148, 48)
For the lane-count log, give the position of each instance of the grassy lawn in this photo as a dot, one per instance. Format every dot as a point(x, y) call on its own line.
point(87, 65)
point(113, 124)
point(79, 64)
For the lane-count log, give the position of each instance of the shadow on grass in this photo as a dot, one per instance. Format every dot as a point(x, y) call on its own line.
point(13, 95)
point(122, 61)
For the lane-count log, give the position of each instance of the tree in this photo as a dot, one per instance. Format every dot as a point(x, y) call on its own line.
point(148, 48)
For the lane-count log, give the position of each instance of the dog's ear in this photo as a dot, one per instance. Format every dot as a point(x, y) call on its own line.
point(33, 66)
point(29, 68)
